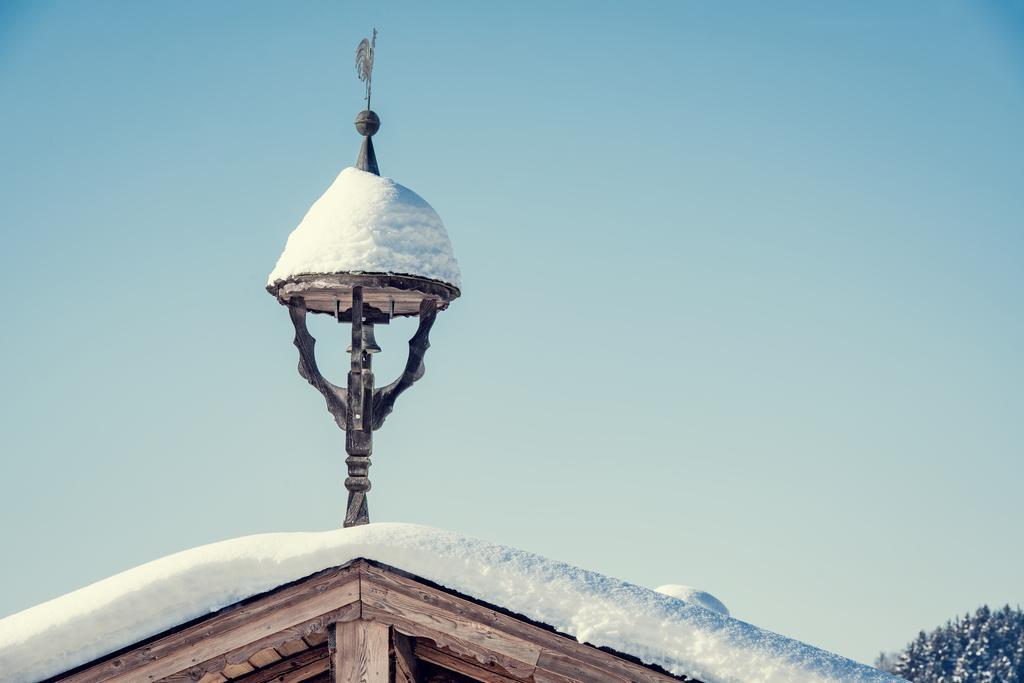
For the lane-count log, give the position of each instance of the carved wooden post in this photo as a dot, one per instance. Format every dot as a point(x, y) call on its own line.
point(360, 409)
point(359, 429)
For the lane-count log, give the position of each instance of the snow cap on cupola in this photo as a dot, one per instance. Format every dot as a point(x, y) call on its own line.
point(368, 231)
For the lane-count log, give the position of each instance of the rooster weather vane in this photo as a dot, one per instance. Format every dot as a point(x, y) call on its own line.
point(364, 63)
point(367, 122)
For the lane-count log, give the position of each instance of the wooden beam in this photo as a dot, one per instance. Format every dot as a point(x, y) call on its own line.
point(292, 647)
point(571, 668)
point(233, 671)
point(543, 676)
point(265, 657)
point(306, 673)
point(406, 670)
point(477, 672)
point(244, 630)
point(361, 652)
point(449, 621)
point(307, 662)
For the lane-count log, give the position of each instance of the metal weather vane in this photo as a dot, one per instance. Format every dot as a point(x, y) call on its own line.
point(367, 122)
point(364, 63)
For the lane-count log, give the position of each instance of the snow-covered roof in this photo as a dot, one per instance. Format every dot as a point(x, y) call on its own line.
point(364, 223)
point(682, 637)
point(694, 595)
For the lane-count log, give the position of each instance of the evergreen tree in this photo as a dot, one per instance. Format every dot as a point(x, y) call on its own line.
point(984, 647)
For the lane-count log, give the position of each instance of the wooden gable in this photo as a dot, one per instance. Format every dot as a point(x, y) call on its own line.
point(363, 623)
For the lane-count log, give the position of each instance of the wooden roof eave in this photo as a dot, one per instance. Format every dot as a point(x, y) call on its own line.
point(426, 623)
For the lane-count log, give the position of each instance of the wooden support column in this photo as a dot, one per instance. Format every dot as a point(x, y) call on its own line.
point(360, 652)
point(359, 422)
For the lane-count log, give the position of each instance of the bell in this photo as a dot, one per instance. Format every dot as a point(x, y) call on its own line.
point(369, 343)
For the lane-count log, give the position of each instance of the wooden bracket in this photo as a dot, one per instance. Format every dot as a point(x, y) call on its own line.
point(336, 397)
point(360, 409)
point(385, 397)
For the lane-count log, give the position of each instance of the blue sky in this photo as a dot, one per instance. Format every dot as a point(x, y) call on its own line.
point(741, 304)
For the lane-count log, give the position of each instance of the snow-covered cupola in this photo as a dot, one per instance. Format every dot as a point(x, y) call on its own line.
point(370, 230)
point(367, 224)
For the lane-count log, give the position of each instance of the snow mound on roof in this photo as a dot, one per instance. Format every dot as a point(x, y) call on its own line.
point(368, 224)
point(141, 602)
point(697, 597)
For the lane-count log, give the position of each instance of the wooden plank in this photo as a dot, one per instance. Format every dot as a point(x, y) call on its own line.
point(234, 671)
point(292, 647)
point(299, 662)
point(212, 678)
point(264, 657)
point(361, 654)
point(568, 667)
point(306, 673)
point(299, 674)
point(449, 661)
point(542, 676)
point(228, 631)
point(405, 669)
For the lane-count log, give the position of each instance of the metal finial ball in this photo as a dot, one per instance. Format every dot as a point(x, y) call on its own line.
point(367, 122)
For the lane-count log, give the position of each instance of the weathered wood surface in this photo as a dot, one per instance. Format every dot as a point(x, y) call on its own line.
point(245, 629)
point(312, 630)
point(320, 637)
point(359, 420)
point(299, 667)
point(569, 667)
point(437, 616)
point(405, 669)
point(489, 673)
point(390, 595)
point(360, 409)
point(361, 652)
point(397, 294)
point(265, 657)
point(306, 673)
point(545, 676)
point(238, 670)
point(292, 647)
point(292, 623)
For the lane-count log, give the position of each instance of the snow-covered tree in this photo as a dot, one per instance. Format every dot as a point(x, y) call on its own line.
point(986, 647)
